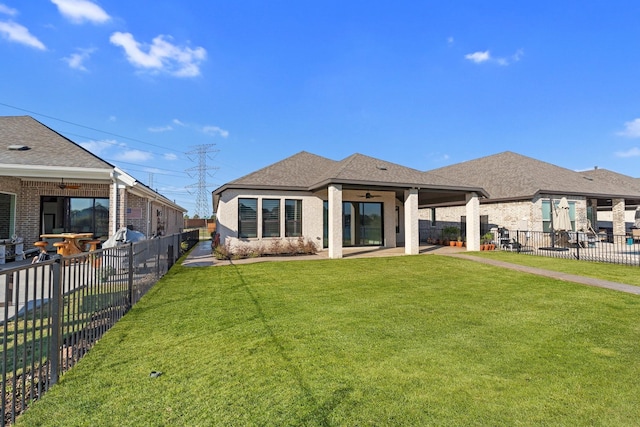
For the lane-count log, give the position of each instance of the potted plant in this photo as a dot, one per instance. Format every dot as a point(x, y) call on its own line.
point(487, 242)
point(450, 234)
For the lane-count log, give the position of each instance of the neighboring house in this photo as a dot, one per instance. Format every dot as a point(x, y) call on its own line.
point(632, 208)
point(358, 201)
point(49, 184)
point(521, 191)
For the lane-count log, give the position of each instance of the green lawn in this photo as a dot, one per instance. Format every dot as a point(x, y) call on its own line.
point(412, 340)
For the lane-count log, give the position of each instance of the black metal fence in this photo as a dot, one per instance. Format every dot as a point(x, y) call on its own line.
point(602, 247)
point(52, 312)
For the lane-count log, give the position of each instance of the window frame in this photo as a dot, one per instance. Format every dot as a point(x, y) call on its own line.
point(242, 219)
point(296, 221)
point(270, 218)
point(547, 213)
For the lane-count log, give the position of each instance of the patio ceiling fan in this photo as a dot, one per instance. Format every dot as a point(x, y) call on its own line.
point(63, 186)
point(368, 195)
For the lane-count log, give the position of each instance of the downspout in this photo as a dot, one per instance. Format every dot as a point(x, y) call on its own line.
point(148, 233)
point(114, 224)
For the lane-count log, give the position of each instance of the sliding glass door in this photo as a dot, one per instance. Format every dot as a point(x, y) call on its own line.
point(362, 224)
point(76, 215)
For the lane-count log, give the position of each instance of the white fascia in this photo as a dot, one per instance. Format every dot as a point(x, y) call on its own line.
point(54, 172)
point(137, 188)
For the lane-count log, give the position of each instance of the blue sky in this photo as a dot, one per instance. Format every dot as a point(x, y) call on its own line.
point(421, 83)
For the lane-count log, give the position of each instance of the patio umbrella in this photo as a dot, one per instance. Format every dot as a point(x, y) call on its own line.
point(562, 220)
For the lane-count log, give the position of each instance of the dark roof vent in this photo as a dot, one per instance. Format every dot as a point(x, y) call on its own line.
point(382, 168)
point(19, 147)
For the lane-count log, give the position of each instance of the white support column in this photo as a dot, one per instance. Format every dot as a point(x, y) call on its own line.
point(335, 221)
point(473, 222)
point(411, 229)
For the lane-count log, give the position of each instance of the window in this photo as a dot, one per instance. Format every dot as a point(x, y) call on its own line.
point(293, 218)
point(248, 218)
point(270, 218)
point(546, 214)
point(75, 215)
point(7, 215)
point(362, 224)
point(89, 215)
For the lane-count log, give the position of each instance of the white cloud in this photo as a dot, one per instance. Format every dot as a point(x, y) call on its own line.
point(631, 129)
point(160, 129)
point(99, 147)
point(133, 156)
point(19, 34)
point(79, 11)
point(112, 118)
point(161, 55)
point(170, 156)
point(178, 122)
point(478, 57)
point(450, 41)
point(154, 170)
point(632, 152)
point(215, 131)
point(76, 60)
point(518, 55)
point(6, 10)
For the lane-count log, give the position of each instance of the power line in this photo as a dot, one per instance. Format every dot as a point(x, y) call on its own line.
point(202, 197)
point(89, 127)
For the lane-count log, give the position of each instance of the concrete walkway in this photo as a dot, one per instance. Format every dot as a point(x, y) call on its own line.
point(202, 256)
point(590, 281)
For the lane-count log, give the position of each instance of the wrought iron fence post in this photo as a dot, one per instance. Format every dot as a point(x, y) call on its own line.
point(157, 248)
point(56, 324)
point(518, 241)
point(130, 276)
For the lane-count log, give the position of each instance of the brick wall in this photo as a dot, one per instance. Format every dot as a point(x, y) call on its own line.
point(516, 215)
point(137, 213)
point(28, 204)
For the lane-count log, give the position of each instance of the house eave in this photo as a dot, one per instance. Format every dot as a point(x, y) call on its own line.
point(44, 172)
point(396, 185)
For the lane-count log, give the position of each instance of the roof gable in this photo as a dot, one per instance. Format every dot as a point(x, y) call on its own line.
point(300, 170)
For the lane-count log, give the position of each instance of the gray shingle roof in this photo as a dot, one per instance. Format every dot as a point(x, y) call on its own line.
point(615, 178)
point(300, 170)
point(308, 171)
point(509, 175)
point(47, 147)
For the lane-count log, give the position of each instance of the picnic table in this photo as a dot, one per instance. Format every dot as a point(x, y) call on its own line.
point(71, 242)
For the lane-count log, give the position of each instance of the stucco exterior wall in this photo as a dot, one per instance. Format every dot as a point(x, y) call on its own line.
point(227, 216)
point(312, 214)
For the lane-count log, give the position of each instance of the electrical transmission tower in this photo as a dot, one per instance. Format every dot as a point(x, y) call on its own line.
point(203, 196)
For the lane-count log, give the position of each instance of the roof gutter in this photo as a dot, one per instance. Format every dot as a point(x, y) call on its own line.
point(44, 172)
